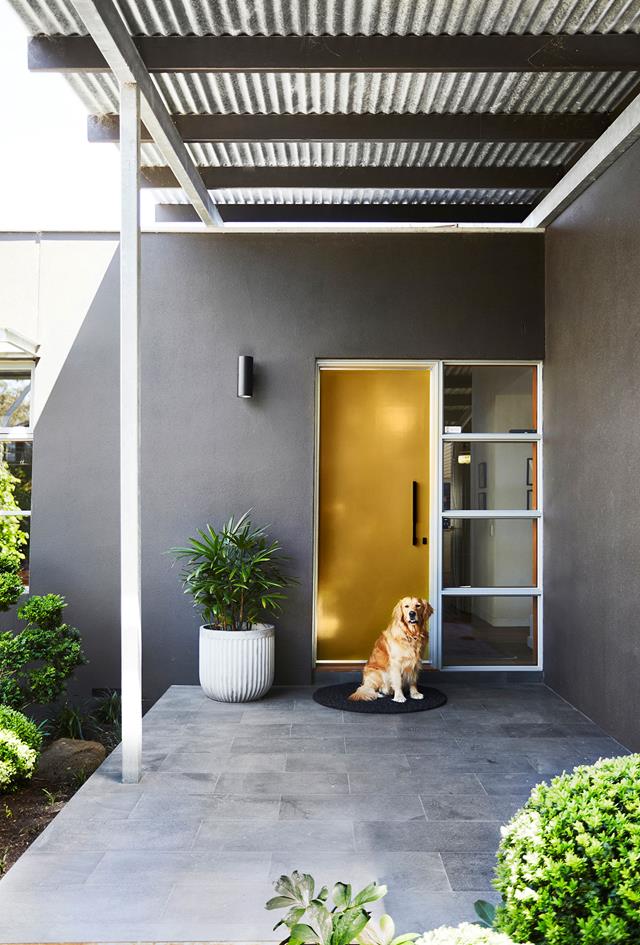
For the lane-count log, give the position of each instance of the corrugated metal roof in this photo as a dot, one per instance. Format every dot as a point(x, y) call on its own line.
point(352, 17)
point(325, 195)
point(371, 153)
point(346, 93)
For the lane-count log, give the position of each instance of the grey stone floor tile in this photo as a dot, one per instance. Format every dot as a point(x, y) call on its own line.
point(470, 870)
point(354, 807)
point(195, 762)
point(275, 783)
point(100, 806)
point(318, 761)
point(298, 836)
point(180, 868)
point(41, 868)
point(178, 833)
point(319, 729)
point(177, 784)
point(531, 730)
point(394, 744)
point(497, 807)
point(509, 782)
point(418, 871)
point(259, 745)
point(432, 910)
point(203, 906)
point(203, 731)
point(470, 762)
point(62, 906)
point(388, 780)
point(207, 806)
point(437, 836)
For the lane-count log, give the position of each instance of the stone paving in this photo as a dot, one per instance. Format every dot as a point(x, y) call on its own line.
point(234, 795)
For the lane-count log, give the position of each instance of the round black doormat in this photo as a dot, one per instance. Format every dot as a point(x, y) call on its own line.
point(337, 697)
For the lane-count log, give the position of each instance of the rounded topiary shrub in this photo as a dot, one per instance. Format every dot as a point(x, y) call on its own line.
point(569, 861)
point(20, 725)
point(465, 934)
point(17, 760)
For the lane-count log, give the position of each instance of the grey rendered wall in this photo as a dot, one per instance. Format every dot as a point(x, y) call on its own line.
point(286, 299)
point(592, 452)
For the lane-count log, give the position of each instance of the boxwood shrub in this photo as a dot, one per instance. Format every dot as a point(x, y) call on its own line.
point(17, 760)
point(569, 861)
point(20, 725)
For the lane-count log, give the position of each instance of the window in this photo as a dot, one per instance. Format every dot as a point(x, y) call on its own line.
point(16, 458)
point(491, 515)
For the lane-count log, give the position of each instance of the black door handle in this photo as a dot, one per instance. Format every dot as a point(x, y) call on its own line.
point(414, 512)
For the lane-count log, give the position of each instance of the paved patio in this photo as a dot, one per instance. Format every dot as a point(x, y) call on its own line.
point(233, 796)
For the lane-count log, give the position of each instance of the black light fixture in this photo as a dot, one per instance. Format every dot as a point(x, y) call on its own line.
point(245, 375)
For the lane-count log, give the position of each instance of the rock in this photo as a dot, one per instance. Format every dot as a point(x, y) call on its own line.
point(70, 759)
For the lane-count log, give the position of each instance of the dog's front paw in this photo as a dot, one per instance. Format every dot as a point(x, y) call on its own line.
point(417, 695)
point(399, 698)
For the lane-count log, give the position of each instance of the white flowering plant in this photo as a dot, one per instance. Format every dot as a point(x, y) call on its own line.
point(569, 861)
point(464, 934)
point(17, 760)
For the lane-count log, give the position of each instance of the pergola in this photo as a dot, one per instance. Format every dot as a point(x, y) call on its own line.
point(411, 113)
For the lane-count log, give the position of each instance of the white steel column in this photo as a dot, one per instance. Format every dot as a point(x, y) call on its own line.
point(130, 572)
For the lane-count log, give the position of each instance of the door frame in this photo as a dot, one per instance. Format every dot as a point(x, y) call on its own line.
point(435, 492)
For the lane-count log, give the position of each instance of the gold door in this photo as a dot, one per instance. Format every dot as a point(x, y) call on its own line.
point(373, 520)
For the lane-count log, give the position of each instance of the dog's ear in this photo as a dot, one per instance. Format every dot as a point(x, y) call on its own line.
point(428, 609)
point(396, 613)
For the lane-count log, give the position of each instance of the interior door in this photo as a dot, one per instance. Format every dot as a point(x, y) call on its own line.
point(373, 503)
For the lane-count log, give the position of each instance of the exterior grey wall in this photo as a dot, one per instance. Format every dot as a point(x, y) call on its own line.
point(287, 300)
point(592, 452)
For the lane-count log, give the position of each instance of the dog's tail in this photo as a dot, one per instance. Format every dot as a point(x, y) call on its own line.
point(363, 694)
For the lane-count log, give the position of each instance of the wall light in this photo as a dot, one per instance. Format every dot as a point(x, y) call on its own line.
point(245, 375)
point(464, 459)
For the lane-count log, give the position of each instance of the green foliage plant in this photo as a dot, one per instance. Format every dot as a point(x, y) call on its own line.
point(17, 760)
point(12, 537)
point(311, 920)
point(235, 575)
point(26, 729)
point(11, 584)
point(70, 722)
point(569, 861)
point(37, 661)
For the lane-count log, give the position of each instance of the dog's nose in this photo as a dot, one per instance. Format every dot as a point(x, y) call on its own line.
point(412, 614)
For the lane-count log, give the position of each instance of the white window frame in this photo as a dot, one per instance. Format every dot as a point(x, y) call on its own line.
point(19, 434)
point(527, 514)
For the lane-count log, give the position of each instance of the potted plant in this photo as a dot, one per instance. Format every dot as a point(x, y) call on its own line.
point(235, 578)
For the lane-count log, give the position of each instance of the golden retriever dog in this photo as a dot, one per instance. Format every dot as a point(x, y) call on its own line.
point(396, 659)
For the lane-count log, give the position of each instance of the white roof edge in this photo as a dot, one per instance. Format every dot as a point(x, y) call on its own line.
point(197, 228)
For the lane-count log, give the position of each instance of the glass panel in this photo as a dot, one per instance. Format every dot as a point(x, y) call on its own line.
point(489, 631)
point(15, 398)
point(489, 476)
point(489, 552)
point(15, 475)
point(490, 399)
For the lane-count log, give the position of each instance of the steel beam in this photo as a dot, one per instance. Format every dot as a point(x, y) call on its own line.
point(610, 52)
point(371, 127)
point(217, 178)
point(619, 136)
point(351, 213)
point(112, 38)
point(130, 572)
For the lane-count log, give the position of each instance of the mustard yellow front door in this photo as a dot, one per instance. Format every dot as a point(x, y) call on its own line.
point(373, 503)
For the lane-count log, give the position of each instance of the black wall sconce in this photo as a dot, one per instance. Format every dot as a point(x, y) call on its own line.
point(245, 375)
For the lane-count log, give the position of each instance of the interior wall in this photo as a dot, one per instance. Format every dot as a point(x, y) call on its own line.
point(592, 451)
point(286, 299)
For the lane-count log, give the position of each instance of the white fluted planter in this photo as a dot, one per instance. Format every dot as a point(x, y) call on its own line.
point(237, 665)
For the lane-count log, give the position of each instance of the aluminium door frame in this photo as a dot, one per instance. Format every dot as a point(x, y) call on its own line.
point(435, 490)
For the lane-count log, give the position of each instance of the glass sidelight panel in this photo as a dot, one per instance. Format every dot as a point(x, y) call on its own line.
point(15, 472)
point(490, 399)
point(15, 398)
point(489, 552)
point(489, 475)
point(489, 631)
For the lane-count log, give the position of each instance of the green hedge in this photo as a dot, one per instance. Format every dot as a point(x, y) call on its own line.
point(569, 861)
point(23, 727)
point(17, 760)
